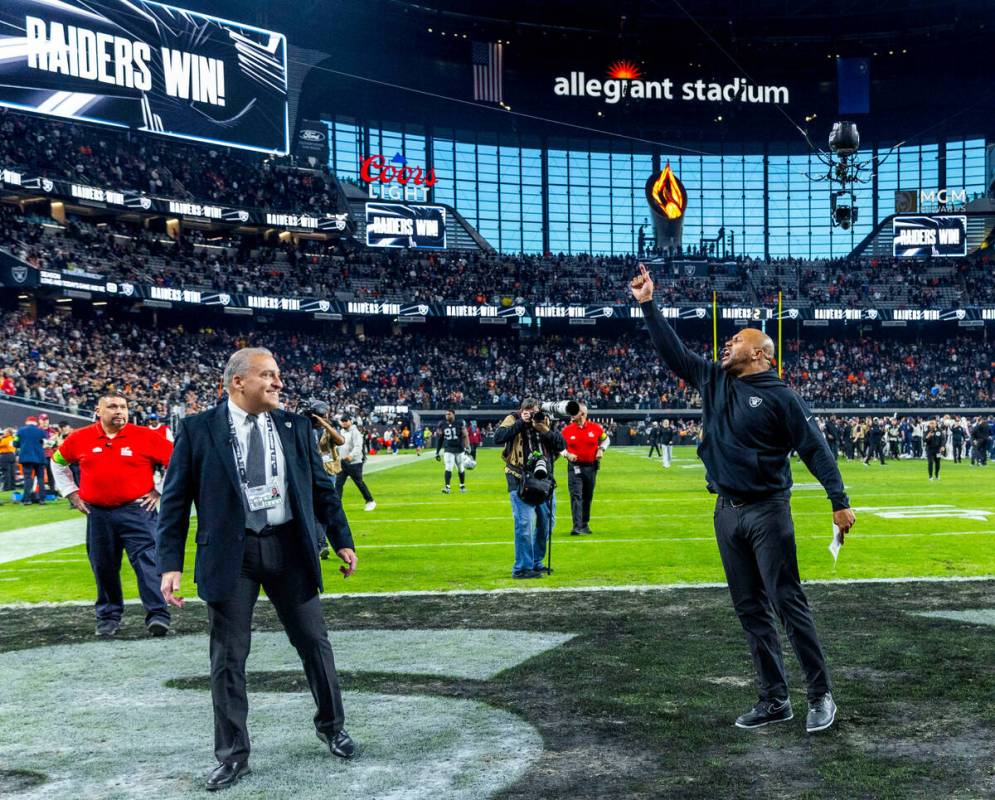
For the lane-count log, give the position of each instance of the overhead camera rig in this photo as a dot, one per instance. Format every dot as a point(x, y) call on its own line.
point(844, 171)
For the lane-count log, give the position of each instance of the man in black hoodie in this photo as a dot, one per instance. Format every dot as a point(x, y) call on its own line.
point(751, 421)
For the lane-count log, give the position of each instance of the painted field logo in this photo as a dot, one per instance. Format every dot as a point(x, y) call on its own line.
point(144, 697)
point(926, 512)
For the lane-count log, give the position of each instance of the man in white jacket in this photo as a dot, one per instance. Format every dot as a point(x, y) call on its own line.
point(351, 455)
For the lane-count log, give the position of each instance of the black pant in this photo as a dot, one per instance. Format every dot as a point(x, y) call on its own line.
point(50, 476)
point(981, 451)
point(875, 450)
point(917, 447)
point(757, 545)
point(33, 472)
point(111, 532)
point(958, 451)
point(654, 446)
point(354, 471)
point(834, 448)
point(933, 462)
point(580, 482)
point(7, 470)
point(275, 562)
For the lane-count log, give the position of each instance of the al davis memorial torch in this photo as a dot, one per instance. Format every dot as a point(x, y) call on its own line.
point(667, 201)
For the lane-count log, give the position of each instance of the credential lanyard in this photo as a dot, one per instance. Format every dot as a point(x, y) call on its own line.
point(240, 462)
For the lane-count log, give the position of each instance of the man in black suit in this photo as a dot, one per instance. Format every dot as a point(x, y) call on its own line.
point(264, 507)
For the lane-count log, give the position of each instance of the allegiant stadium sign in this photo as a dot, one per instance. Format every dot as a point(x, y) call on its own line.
point(614, 90)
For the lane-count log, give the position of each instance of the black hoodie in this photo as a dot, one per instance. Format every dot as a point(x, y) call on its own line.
point(750, 425)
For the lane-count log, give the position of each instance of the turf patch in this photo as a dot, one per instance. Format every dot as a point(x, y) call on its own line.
point(136, 733)
point(639, 704)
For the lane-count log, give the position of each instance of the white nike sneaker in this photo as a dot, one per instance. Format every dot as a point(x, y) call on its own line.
point(370, 506)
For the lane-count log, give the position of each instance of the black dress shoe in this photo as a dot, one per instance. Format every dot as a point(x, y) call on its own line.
point(766, 712)
point(158, 627)
point(226, 775)
point(339, 745)
point(107, 628)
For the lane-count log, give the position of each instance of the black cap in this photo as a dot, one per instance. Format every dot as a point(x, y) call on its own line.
point(346, 416)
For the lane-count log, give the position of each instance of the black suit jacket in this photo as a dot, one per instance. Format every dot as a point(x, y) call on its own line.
point(202, 471)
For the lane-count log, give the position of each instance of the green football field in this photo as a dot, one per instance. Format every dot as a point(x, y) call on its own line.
point(651, 526)
point(568, 695)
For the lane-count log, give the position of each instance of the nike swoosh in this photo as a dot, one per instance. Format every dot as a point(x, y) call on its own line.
point(808, 419)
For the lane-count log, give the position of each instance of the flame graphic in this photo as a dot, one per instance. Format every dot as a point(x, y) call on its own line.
point(624, 70)
point(668, 193)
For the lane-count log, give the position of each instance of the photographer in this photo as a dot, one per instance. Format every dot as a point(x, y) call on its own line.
point(530, 449)
point(328, 441)
point(586, 443)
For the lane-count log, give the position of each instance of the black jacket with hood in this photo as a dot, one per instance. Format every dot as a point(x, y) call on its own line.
point(750, 425)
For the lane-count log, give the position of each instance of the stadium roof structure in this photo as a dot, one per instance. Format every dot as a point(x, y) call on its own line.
point(929, 71)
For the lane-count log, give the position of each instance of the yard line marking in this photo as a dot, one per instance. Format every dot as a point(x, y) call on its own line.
point(629, 589)
point(39, 539)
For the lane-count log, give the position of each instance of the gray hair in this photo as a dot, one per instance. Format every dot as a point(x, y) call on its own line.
point(238, 364)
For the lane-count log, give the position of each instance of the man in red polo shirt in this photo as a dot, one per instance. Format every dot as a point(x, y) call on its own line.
point(586, 444)
point(118, 495)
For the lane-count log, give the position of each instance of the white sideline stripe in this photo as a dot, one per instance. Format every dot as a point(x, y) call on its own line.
point(571, 541)
point(630, 589)
point(40, 539)
point(380, 463)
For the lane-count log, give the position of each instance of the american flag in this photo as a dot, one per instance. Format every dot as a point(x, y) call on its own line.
point(487, 65)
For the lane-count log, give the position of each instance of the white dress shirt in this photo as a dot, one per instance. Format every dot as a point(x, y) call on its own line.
point(280, 513)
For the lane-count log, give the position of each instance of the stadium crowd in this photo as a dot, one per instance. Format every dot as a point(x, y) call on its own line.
point(308, 268)
point(70, 362)
point(100, 156)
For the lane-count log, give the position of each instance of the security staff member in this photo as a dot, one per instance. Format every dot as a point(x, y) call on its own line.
point(7, 460)
point(586, 444)
point(751, 421)
point(352, 455)
point(666, 438)
point(118, 495)
point(264, 506)
point(453, 436)
point(935, 440)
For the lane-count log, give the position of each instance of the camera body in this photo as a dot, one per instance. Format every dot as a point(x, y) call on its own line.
point(315, 407)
